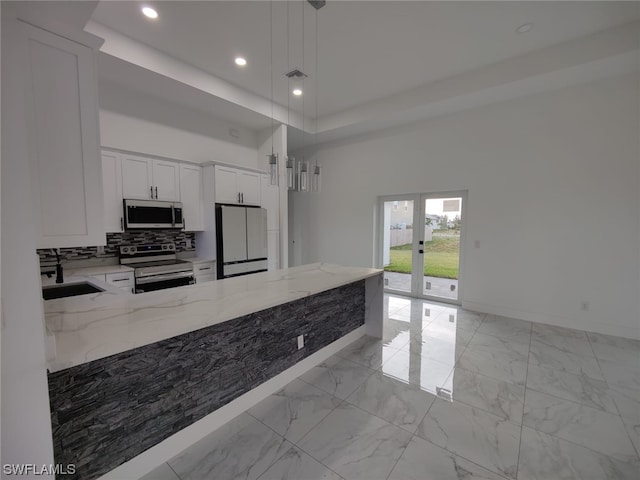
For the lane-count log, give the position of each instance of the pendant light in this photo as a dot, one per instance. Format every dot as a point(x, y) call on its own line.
point(301, 175)
point(291, 160)
point(303, 170)
point(272, 157)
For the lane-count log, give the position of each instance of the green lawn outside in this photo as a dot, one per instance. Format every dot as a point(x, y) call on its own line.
point(441, 258)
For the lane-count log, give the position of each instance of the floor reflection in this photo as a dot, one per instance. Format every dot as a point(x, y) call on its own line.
point(429, 339)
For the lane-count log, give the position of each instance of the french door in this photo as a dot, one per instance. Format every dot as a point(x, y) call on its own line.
point(420, 244)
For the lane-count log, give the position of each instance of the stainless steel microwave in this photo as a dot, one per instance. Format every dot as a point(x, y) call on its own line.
point(148, 214)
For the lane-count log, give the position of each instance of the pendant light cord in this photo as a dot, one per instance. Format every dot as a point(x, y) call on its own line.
point(271, 70)
point(317, 84)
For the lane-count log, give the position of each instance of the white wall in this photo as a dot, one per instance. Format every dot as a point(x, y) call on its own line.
point(553, 188)
point(139, 123)
point(26, 422)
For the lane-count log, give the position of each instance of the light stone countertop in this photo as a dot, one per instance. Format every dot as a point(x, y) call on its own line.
point(72, 275)
point(198, 259)
point(89, 327)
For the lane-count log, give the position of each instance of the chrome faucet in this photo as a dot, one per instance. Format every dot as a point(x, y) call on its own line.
point(59, 274)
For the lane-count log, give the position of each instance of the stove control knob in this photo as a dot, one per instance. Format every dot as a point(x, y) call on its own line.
point(133, 249)
point(171, 247)
point(165, 247)
point(125, 249)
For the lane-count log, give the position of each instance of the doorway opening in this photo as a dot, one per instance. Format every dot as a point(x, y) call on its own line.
point(421, 244)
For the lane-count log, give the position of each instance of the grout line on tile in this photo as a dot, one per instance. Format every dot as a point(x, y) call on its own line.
point(524, 399)
point(624, 425)
point(618, 459)
point(176, 473)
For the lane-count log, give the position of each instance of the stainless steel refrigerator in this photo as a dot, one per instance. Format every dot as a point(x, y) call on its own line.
point(241, 240)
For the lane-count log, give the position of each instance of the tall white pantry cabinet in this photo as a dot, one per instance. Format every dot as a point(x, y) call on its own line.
point(61, 105)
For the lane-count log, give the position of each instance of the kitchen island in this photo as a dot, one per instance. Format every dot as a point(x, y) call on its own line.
point(132, 370)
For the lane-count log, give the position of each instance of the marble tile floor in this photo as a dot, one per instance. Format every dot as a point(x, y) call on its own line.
point(446, 394)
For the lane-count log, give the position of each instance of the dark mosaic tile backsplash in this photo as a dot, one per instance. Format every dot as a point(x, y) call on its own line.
point(115, 240)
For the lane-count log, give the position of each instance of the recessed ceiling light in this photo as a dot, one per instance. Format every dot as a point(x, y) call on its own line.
point(241, 62)
point(524, 28)
point(297, 92)
point(149, 12)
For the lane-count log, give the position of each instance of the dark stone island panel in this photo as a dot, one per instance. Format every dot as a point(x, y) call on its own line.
point(107, 411)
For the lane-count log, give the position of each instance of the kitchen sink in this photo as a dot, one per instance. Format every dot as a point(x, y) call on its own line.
point(69, 290)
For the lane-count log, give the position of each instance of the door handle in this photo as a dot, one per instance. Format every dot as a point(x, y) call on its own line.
point(156, 193)
point(151, 189)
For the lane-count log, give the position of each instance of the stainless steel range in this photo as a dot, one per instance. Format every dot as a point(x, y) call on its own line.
point(156, 267)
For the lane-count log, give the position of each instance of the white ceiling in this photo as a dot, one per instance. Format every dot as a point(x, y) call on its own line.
point(367, 50)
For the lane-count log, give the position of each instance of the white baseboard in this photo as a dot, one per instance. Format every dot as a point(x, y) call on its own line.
point(602, 326)
point(148, 460)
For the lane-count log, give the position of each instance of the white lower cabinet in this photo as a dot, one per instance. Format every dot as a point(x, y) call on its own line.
point(204, 272)
point(124, 281)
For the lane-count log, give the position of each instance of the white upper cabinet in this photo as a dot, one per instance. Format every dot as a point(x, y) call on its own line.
point(137, 177)
point(130, 176)
point(226, 180)
point(191, 197)
point(166, 180)
point(236, 186)
point(112, 190)
point(146, 179)
point(64, 141)
point(249, 187)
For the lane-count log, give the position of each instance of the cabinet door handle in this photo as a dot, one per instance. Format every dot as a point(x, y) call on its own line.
point(121, 223)
point(242, 197)
point(156, 193)
point(238, 197)
point(151, 188)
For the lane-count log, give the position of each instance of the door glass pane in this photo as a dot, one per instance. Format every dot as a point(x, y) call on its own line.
point(443, 218)
point(398, 245)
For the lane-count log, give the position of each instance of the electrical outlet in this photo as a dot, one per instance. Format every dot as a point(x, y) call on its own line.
point(100, 249)
point(300, 341)
point(476, 243)
point(584, 306)
point(188, 243)
point(452, 318)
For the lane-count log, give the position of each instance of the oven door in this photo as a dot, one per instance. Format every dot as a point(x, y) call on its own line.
point(148, 214)
point(159, 282)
